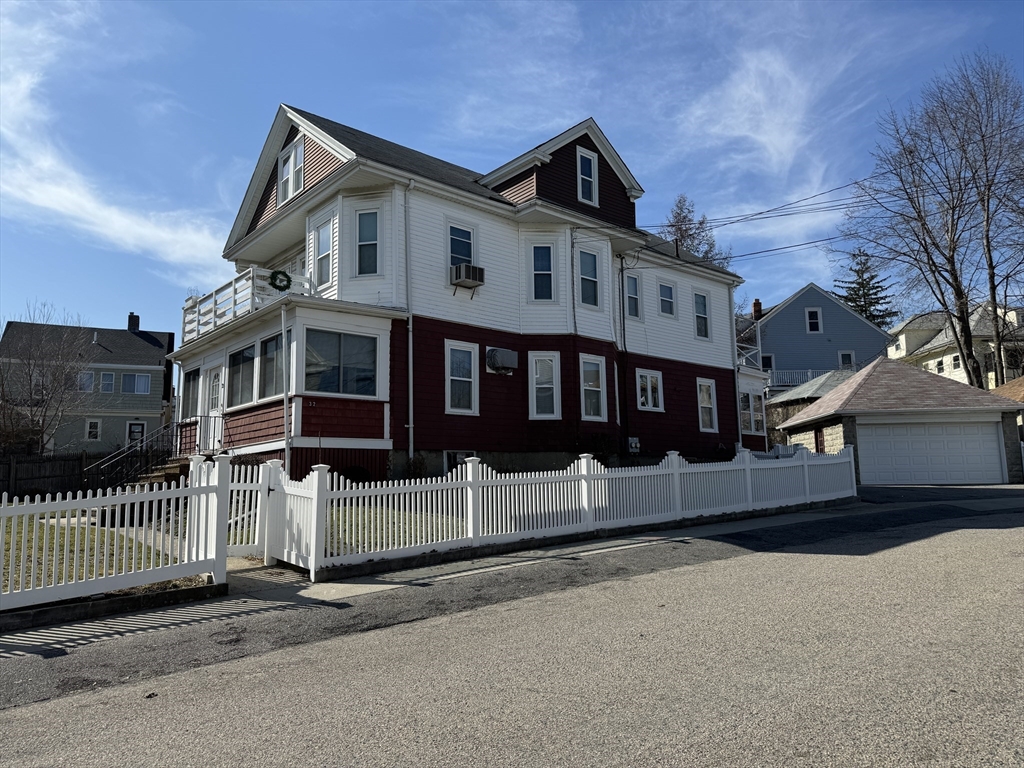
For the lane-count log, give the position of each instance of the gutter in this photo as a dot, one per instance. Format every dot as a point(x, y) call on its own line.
point(408, 305)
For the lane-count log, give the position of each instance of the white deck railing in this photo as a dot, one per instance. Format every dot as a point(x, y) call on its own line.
point(246, 293)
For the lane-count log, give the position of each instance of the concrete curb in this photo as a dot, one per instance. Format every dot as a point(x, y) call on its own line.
point(96, 607)
point(370, 567)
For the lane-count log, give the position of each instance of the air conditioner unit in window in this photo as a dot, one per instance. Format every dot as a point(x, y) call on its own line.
point(467, 275)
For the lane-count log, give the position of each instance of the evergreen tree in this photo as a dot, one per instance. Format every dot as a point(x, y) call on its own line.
point(866, 292)
point(693, 234)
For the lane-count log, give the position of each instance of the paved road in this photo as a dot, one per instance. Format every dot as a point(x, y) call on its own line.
point(891, 636)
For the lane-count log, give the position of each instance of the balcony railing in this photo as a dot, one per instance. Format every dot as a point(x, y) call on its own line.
point(246, 293)
point(748, 356)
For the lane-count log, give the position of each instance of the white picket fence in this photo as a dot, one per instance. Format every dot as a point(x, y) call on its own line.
point(326, 520)
point(74, 546)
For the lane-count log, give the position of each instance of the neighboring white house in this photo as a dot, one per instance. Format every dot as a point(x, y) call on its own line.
point(927, 341)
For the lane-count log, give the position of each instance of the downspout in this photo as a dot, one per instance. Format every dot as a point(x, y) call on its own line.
point(735, 369)
point(408, 305)
point(623, 404)
point(286, 348)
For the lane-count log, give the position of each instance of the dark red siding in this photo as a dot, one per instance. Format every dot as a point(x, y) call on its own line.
point(504, 424)
point(556, 182)
point(317, 163)
point(755, 442)
point(357, 464)
point(339, 417)
point(187, 438)
point(258, 424)
point(521, 187)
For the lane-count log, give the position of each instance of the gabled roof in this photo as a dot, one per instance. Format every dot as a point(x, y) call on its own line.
point(813, 389)
point(112, 345)
point(1011, 389)
point(889, 386)
point(839, 302)
point(926, 321)
point(542, 154)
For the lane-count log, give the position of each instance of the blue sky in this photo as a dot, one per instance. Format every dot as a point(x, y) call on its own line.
point(129, 131)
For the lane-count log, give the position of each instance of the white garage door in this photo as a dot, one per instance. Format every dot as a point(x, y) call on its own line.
point(929, 454)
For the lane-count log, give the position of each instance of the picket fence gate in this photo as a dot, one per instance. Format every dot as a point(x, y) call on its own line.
point(75, 546)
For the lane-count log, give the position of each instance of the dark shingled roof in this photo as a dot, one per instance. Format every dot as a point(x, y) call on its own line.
point(887, 385)
point(396, 156)
point(113, 346)
point(1011, 389)
point(813, 389)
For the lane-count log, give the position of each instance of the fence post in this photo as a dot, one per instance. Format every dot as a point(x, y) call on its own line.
point(744, 456)
point(587, 491)
point(676, 465)
point(317, 542)
point(802, 453)
point(848, 450)
point(270, 484)
point(221, 512)
point(473, 498)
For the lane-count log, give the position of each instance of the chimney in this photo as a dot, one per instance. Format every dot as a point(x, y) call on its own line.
point(757, 309)
point(133, 322)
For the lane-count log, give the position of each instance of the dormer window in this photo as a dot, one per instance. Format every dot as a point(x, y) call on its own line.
point(586, 167)
point(289, 171)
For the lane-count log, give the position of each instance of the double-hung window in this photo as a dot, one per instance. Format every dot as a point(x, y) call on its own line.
point(107, 382)
point(366, 247)
point(648, 390)
point(545, 386)
point(707, 406)
point(701, 319)
point(589, 284)
point(956, 362)
point(586, 166)
point(667, 299)
point(543, 274)
point(86, 381)
point(324, 249)
point(241, 369)
point(135, 383)
point(92, 429)
point(460, 245)
point(462, 382)
point(813, 316)
point(633, 296)
point(289, 171)
point(594, 401)
point(271, 367)
point(752, 412)
point(190, 394)
point(343, 363)
point(940, 365)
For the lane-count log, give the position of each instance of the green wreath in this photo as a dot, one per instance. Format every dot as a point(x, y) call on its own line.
point(280, 280)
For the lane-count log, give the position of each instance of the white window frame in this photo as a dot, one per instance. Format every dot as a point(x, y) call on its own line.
point(581, 152)
point(853, 357)
point(597, 269)
point(227, 380)
point(107, 381)
point(940, 365)
point(675, 299)
point(753, 412)
point(300, 370)
point(533, 274)
point(956, 363)
point(474, 349)
point(99, 430)
point(471, 228)
point(293, 150)
point(714, 405)
point(92, 381)
point(807, 320)
point(135, 391)
point(357, 212)
point(128, 430)
point(602, 372)
point(650, 375)
point(707, 316)
point(327, 220)
point(639, 296)
point(556, 378)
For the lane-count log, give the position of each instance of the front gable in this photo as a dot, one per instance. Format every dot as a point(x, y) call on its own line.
point(552, 172)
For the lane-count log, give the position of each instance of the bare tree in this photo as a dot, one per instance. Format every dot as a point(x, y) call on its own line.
point(693, 234)
point(939, 212)
point(42, 356)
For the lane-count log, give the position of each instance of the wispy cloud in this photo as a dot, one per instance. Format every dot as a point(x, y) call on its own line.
point(39, 178)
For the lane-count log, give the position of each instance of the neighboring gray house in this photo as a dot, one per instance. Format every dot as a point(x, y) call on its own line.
point(811, 333)
point(91, 389)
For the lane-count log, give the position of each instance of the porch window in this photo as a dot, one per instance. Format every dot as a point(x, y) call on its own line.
point(752, 412)
point(343, 363)
point(190, 394)
point(271, 367)
point(241, 369)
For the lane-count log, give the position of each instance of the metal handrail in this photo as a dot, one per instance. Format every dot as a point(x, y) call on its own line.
point(134, 447)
